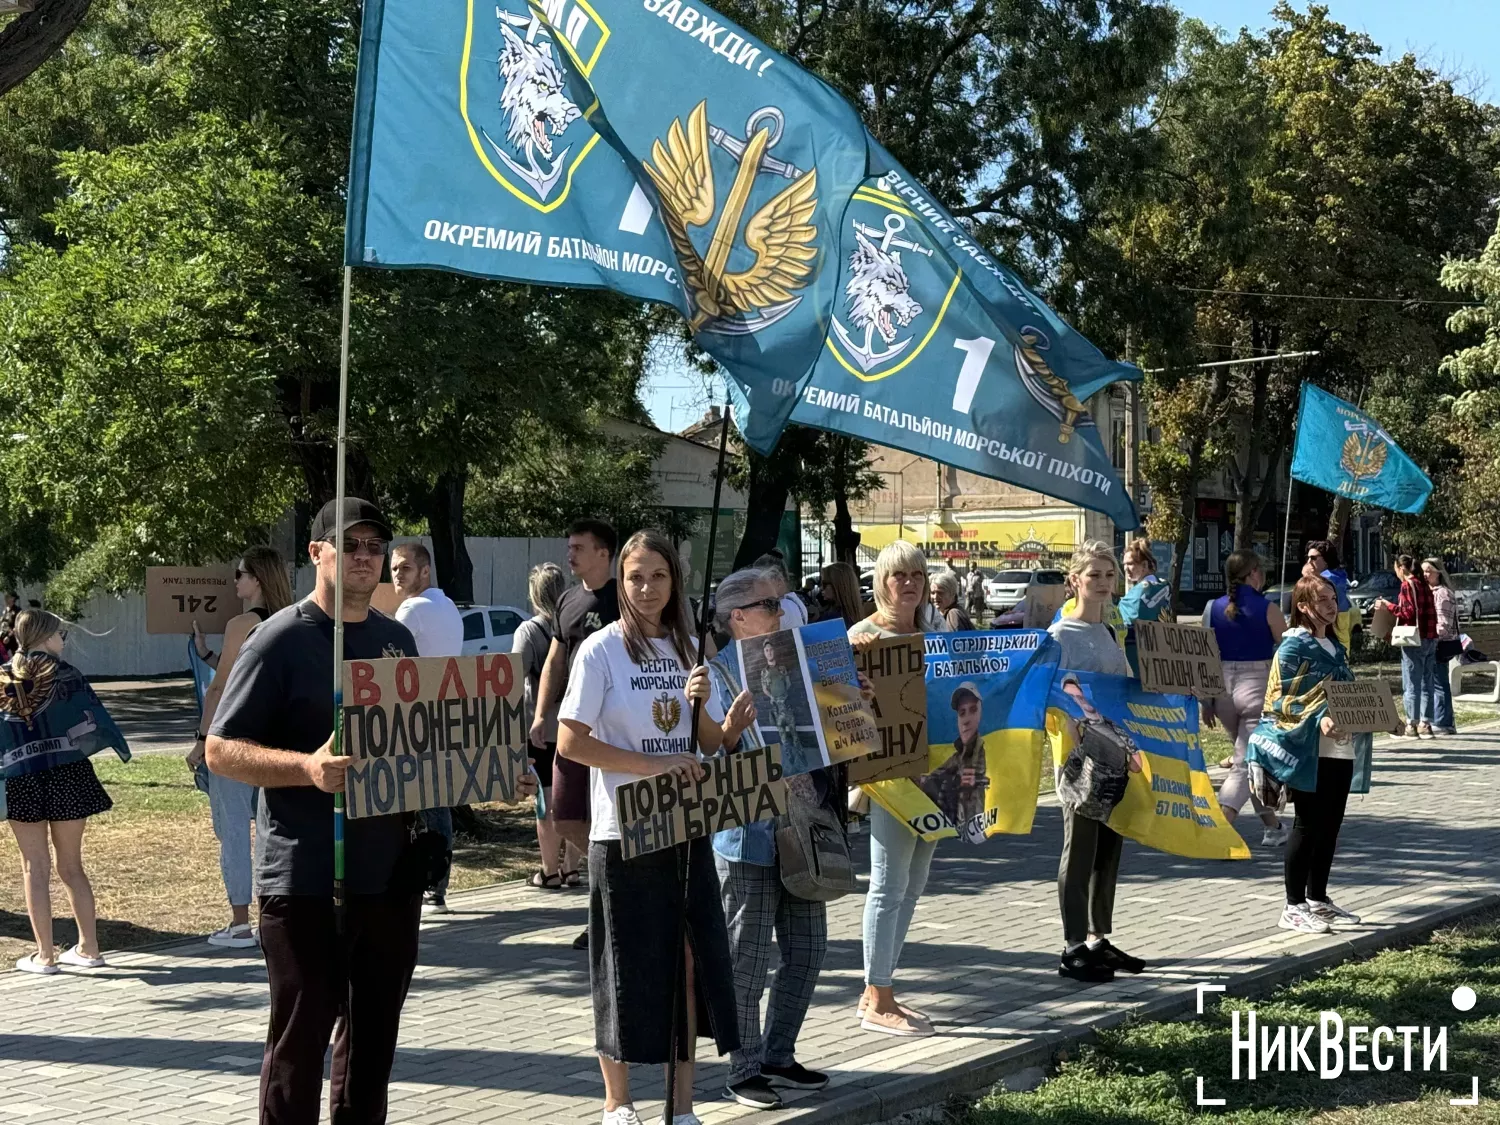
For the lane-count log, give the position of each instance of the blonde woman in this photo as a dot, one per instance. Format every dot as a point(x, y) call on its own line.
point(1089, 867)
point(900, 860)
point(260, 582)
point(50, 722)
point(1448, 644)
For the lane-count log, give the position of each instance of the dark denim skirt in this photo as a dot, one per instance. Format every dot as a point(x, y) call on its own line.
point(634, 917)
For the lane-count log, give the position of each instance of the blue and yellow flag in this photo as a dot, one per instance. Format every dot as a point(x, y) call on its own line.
point(1342, 449)
point(655, 148)
point(986, 704)
point(1170, 805)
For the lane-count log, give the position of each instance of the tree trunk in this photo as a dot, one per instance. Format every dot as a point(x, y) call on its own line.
point(1338, 525)
point(845, 538)
point(770, 485)
point(445, 523)
point(35, 36)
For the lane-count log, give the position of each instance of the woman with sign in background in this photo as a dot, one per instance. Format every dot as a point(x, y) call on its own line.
point(50, 722)
point(1298, 753)
point(260, 582)
point(900, 859)
point(1089, 868)
point(1448, 644)
point(627, 713)
point(1248, 627)
point(1148, 597)
point(757, 907)
point(945, 601)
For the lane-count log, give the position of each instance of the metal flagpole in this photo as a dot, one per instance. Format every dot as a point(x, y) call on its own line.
point(679, 983)
point(1286, 534)
point(338, 610)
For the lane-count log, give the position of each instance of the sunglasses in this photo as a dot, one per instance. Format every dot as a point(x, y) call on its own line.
point(770, 605)
point(374, 546)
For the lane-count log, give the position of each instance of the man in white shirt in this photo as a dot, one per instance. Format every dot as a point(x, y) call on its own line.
point(438, 628)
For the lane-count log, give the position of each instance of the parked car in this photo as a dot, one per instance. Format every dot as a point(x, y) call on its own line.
point(1005, 590)
point(1363, 592)
point(490, 628)
point(1476, 595)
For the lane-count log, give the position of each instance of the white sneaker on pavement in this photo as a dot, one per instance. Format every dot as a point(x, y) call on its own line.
point(621, 1115)
point(1275, 837)
point(233, 936)
point(1298, 917)
point(1326, 911)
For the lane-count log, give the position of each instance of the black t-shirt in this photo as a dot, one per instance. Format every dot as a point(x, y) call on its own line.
point(280, 694)
point(583, 612)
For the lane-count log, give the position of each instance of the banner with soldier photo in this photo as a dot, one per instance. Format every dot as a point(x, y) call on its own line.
point(986, 703)
point(1170, 803)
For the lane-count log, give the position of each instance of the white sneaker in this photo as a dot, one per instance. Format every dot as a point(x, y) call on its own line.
point(1301, 919)
point(1275, 837)
point(623, 1115)
point(234, 937)
point(1325, 911)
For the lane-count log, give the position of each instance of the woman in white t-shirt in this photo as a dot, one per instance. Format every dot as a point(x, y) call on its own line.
point(627, 714)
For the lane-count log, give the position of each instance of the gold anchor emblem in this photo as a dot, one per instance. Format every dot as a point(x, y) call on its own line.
point(779, 233)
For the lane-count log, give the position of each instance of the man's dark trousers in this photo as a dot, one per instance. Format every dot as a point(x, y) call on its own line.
point(351, 988)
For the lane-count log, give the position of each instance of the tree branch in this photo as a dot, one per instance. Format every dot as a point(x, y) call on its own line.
point(35, 36)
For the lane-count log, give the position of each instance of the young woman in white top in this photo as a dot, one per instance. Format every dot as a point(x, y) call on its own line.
point(627, 714)
point(899, 859)
point(1448, 644)
point(1089, 867)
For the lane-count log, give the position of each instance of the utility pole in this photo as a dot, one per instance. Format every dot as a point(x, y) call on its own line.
point(1132, 429)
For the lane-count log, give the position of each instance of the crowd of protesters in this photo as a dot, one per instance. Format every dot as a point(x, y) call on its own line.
point(263, 752)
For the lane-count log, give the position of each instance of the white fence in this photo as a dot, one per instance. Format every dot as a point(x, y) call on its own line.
point(110, 639)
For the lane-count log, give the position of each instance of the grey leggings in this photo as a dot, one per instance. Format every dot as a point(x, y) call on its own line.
point(1239, 710)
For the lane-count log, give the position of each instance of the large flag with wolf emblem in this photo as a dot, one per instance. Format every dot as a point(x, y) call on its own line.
point(1342, 449)
point(655, 148)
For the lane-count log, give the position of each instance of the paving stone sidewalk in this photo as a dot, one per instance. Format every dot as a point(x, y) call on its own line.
point(498, 1026)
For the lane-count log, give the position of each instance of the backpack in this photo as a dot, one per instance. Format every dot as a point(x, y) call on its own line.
point(1096, 772)
point(812, 849)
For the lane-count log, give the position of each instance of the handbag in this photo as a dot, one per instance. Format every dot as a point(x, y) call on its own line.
point(1405, 636)
point(812, 850)
point(1096, 772)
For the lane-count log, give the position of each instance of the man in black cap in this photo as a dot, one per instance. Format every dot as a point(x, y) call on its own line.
point(274, 729)
point(959, 786)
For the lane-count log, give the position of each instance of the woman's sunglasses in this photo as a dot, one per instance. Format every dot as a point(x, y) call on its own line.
point(770, 605)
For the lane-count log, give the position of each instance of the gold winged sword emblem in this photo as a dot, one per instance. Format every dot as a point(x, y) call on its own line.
point(1363, 454)
point(780, 233)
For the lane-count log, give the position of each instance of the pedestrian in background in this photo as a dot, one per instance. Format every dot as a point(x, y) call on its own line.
point(438, 630)
point(793, 612)
point(1416, 609)
point(50, 722)
point(974, 592)
point(945, 599)
point(1448, 644)
point(1323, 562)
point(533, 640)
point(840, 595)
point(620, 722)
point(262, 585)
point(1248, 627)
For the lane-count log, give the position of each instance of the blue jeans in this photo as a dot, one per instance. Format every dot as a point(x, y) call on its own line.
point(440, 821)
point(899, 864)
point(1418, 680)
point(1442, 695)
point(232, 805)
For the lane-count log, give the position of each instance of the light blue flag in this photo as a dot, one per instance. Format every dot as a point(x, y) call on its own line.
point(1342, 449)
point(939, 349)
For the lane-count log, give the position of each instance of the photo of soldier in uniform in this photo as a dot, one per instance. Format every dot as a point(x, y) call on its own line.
point(958, 786)
point(773, 672)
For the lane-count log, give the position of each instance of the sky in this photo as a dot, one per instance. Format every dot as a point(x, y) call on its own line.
point(1460, 38)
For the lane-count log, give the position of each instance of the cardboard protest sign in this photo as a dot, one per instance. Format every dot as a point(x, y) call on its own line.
point(176, 596)
point(1382, 622)
point(1042, 604)
point(896, 669)
point(986, 706)
point(738, 789)
point(807, 696)
point(1360, 706)
point(1179, 658)
point(431, 732)
point(1171, 804)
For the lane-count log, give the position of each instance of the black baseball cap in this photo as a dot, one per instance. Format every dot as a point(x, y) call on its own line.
point(326, 524)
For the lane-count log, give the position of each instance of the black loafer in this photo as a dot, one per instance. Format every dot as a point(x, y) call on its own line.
point(754, 1092)
point(796, 1076)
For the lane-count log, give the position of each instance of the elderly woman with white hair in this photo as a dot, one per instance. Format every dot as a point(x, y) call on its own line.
point(900, 859)
point(945, 599)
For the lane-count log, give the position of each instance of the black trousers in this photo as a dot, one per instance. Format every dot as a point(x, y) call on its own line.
point(351, 989)
point(1315, 833)
point(1086, 877)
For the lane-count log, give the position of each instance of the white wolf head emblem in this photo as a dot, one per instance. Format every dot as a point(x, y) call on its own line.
point(536, 108)
point(877, 289)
